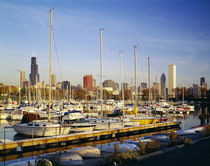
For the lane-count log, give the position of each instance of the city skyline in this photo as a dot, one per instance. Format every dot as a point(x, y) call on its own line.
point(184, 42)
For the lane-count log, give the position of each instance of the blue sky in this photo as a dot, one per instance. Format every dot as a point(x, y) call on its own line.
point(170, 32)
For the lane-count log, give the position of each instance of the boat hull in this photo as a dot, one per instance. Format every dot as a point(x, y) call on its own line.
point(23, 129)
point(145, 121)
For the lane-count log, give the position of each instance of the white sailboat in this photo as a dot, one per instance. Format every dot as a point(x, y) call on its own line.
point(41, 128)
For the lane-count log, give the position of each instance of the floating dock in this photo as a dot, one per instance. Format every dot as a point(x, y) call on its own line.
point(29, 145)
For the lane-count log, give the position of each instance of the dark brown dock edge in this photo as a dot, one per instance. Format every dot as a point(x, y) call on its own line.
point(77, 138)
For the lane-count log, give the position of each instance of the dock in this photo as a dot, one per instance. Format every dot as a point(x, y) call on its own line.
point(79, 138)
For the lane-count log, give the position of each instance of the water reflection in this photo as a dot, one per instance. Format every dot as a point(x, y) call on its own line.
point(204, 114)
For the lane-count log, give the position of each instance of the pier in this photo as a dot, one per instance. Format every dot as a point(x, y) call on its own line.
point(29, 145)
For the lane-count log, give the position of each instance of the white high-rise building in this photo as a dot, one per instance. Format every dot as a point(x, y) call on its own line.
point(171, 80)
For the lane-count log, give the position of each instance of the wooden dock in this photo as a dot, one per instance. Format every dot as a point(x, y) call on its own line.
point(78, 138)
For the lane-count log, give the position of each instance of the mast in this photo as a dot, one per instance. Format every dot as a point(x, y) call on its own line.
point(26, 89)
point(135, 76)
point(19, 88)
point(121, 65)
point(36, 88)
point(29, 93)
point(183, 93)
point(70, 92)
point(50, 64)
point(9, 94)
point(149, 82)
point(101, 71)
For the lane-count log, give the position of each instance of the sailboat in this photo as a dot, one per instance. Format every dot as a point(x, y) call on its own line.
point(42, 128)
point(134, 116)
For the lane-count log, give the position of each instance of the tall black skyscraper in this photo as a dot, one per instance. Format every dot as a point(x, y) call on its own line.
point(163, 84)
point(202, 81)
point(34, 76)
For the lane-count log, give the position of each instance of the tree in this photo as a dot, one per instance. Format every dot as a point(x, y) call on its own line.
point(145, 94)
point(79, 94)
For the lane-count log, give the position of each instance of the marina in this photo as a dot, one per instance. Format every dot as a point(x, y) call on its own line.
point(121, 92)
point(15, 146)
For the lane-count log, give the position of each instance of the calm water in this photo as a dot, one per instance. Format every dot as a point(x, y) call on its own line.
point(199, 117)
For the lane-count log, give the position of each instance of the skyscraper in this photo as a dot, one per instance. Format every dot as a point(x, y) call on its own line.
point(156, 90)
point(195, 90)
point(171, 80)
point(202, 81)
point(163, 85)
point(34, 76)
point(88, 82)
point(22, 77)
point(65, 84)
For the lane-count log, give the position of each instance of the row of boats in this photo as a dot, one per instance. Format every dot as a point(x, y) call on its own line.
point(68, 117)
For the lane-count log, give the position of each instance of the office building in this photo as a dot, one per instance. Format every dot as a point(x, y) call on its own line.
point(34, 76)
point(58, 85)
point(171, 80)
point(94, 83)
point(196, 90)
point(109, 83)
point(202, 81)
point(126, 86)
point(22, 77)
point(163, 85)
point(65, 84)
point(53, 79)
point(156, 90)
point(26, 84)
point(205, 85)
point(88, 82)
point(143, 85)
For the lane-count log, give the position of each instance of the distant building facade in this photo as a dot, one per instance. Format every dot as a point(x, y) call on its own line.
point(163, 85)
point(205, 85)
point(126, 86)
point(94, 83)
point(143, 85)
point(88, 82)
point(171, 80)
point(110, 83)
point(65, 84)
point(195, 90)
point(58, 85)
point(34, 76)
point(202, 81)
point(26, 84)
point(156, 90)
point(53, 79)
point(22, 77)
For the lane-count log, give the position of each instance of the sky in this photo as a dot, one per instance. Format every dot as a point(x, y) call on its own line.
point(169, 32)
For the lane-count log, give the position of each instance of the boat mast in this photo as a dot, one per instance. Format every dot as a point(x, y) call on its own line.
point(149, 82)
point(122, 87)
point(183, 93)
point(50, 64)
point(19, 88)
point(29, 93)
point(70, 92)
point(101, 72)
point(135, 76)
